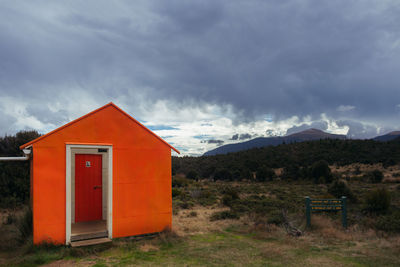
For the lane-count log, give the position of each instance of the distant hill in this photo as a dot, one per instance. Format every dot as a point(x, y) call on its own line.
point(388, 137)
point(307, 135)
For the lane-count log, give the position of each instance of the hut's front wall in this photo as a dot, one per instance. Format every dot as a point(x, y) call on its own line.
point(141, 176)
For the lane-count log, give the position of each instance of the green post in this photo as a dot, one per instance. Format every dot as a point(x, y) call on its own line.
point(344, 212)
point(308, 211)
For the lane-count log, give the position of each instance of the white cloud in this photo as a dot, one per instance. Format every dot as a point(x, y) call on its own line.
point(190, 124)
point(344, 108)
point(21, 119)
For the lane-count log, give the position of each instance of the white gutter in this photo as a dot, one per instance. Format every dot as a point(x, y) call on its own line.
point(27, 152)
point(14, 158)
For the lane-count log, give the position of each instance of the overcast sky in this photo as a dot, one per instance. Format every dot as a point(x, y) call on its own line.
point(203, 73)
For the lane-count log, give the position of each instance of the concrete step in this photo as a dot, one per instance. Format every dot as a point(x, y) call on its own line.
point(90, 242)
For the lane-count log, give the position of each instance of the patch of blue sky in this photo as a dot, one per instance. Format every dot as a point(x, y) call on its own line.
point(268, 118)
point(166, 136)
point(202, 136)
point(161, 127)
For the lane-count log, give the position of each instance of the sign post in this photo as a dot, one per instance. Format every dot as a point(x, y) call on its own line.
point(326, 205)
point(308, 211)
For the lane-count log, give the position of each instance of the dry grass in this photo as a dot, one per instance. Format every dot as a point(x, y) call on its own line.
point(326, 228)
point(184, 224)
point(146, 247)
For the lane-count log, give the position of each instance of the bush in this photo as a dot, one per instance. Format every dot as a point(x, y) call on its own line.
point(230, 195)
point(11, 218)
point(340, 188)
point(192, 175)
point(176, 192)
point(378, 201)
point(179, 181)
point(376, 176)
point(275, 217)
point(320, 172)
point(264, 173)
point(183, 204)
point(222, 215)
point(291, 171)
point(224, 175)
point(25, 225)
point(204, 197)
point(192, 214)
point(389, 223)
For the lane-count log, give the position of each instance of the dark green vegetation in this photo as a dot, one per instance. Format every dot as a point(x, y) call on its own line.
point(14, 176)
point(299, 160)
point(368, 206)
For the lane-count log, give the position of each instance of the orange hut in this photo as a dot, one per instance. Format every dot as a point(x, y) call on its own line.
point(101, 176)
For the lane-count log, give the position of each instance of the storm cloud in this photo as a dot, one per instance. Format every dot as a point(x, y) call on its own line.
point(225, 64)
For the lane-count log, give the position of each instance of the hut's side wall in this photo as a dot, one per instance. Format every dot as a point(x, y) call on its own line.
point(142, 200)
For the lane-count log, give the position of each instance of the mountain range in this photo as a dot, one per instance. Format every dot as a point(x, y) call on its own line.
point(388, 137)
point(307, 135)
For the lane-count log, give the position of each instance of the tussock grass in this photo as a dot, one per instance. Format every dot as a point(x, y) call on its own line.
point(256, 238)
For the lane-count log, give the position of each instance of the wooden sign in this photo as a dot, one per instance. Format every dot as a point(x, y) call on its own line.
point(326, 205)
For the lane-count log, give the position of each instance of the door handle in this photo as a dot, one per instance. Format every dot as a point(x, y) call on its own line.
point(96, 186)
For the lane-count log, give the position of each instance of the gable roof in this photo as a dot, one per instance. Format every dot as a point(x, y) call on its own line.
point(91, 113)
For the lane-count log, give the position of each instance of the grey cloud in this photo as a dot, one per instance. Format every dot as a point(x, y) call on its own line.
point(245, 136)
point(321, 125)
point(213, 141)
point(283, 58)
point(46, 115)
point(361, 130)
point(241, 136)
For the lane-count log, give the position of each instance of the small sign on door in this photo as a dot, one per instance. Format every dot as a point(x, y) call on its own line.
point(88, 164)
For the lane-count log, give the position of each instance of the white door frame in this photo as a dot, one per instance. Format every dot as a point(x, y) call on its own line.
point(68, 191)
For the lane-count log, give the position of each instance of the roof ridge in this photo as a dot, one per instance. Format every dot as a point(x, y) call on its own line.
point(89, 114)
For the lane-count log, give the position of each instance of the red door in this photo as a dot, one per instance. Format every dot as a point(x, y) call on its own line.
point(88, 191)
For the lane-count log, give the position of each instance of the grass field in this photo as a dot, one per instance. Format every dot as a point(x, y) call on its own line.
point(255, 238)
point(235, 245)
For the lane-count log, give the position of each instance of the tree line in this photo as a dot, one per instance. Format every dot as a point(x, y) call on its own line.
point(301, 160)
point(14, 175)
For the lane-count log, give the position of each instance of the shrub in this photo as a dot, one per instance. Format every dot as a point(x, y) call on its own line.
point(376, 176)
point(205, 197)
point(275, 217)
point(179, 181)
point(25, 225)
point(11, 218)
point(396, 174)
point(264, 173)
point(207, 171)
point(193, 214)
point(389, 223)
point(185, 204)
point(222, 215)
point(192, 175)
point(176, 192)
point(378, 201)
point(340, 188)
point(230, 195)
point(357, 170)
point(291, 171)
point(237, 175)
point(223, 174)
point(320, 172)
